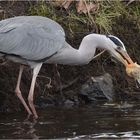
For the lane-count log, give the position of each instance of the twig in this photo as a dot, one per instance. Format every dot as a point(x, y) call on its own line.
point(49, 84)
point(67, 85)
point(99, 54)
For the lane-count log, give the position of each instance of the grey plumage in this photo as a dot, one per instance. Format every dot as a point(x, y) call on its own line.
point(32, 38)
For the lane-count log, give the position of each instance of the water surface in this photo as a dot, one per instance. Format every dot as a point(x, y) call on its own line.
point(86, 122)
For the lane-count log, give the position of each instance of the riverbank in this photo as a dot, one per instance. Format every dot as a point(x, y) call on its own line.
point(115, 18)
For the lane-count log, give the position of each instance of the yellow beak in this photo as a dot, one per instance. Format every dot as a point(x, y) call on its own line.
point(124, 57)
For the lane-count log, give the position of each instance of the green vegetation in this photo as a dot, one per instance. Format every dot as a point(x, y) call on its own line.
point(100, 20)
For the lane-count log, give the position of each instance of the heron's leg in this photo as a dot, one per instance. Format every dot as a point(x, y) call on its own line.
point(18, 92)
point(31, 92)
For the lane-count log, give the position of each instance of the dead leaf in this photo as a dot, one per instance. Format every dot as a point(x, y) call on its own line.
point(80, 6)
point(83, 6)
point(91, 7)
point(66, 3)
point(62, 3)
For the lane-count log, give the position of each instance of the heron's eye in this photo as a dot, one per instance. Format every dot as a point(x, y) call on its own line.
point(119, 47)
point(117, 42)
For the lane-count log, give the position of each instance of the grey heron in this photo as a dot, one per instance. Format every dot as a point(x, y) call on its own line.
point(34, 40)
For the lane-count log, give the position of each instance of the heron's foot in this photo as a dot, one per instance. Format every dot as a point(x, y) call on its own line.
point(31, 104)
point(35, 117)
point(28, 117)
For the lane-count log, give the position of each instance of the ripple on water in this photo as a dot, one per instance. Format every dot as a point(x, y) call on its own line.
point(88, 122)
point(133, 135)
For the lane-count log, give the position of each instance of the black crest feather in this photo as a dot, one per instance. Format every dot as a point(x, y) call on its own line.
point(115, 41)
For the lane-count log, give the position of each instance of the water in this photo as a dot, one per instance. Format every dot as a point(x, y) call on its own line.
point(86, 122)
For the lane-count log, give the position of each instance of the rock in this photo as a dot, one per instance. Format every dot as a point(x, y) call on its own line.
point(72, 96)
point(98, 88)
point(42, 102)
point(95, 89)
point(69, 103)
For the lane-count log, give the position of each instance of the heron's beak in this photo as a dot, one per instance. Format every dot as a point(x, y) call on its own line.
point(123, 57)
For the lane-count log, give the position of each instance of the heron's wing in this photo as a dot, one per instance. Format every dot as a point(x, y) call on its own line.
point(31, 42)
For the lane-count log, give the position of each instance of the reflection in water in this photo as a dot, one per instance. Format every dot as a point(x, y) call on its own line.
point(17, 129)
point(100, 121)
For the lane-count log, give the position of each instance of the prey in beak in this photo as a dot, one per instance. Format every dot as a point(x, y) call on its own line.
point(133, 70)
point(119, 52)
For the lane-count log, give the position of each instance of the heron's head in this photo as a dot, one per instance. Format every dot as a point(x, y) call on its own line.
point(118, 50)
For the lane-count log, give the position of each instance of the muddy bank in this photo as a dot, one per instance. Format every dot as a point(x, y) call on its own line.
point(124, 27)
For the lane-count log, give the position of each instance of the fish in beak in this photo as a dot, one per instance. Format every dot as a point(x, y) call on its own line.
point(133, 70)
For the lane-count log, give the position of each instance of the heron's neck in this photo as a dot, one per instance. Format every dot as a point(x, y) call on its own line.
point(83, 55)
point(89, 44)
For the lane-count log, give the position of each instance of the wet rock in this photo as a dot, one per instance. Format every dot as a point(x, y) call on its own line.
point(97, 88)
point(42, 102)
point(71, 96)
point(66, 99)
point(50, 100)
point(69, 103)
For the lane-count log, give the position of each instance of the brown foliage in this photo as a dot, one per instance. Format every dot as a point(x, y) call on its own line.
point(82, 6)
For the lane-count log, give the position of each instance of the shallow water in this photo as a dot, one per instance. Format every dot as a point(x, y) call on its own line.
point(87, 122)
